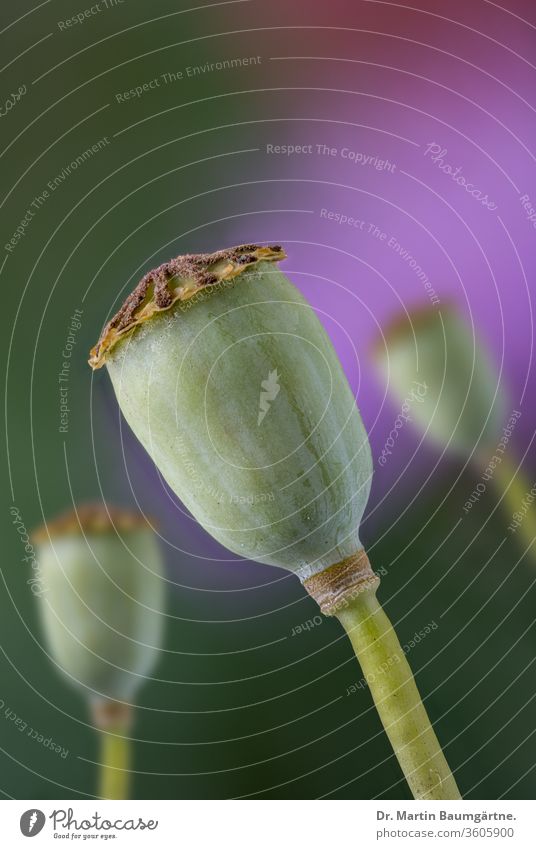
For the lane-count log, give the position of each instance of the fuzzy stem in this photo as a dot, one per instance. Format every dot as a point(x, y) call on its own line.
point(514, 487)
point(113, 721)
point(396, 697)
point(114, 777)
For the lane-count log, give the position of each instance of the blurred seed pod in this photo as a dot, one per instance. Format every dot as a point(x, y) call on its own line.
point(459, 403)
point(435, 366)
point(102, 603)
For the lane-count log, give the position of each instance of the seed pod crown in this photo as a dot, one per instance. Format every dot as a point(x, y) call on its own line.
point(178, 280)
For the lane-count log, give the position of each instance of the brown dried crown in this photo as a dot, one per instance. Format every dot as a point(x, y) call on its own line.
point(93, 518)
point(178, 280)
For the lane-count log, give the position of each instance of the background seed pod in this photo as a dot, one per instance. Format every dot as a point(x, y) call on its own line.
point(461, 404)
point(102, 601)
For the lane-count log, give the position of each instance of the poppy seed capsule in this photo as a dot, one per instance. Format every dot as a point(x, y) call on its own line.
point(443, 375)
point(228, 379)
point(102, 601)
point(434, 365)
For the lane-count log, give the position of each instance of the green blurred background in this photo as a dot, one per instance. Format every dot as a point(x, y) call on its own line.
point(237, 706)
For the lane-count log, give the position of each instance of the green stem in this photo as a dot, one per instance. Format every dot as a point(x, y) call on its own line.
point(514, 487)
point(114, 777)
point(397, 699)
point(113, 721)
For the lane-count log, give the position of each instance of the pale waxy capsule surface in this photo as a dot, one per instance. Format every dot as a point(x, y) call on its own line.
point(102, 602)
point(228, 379)
point(431, 361)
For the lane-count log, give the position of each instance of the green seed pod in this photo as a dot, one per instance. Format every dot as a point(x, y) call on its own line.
point(227, 378)
point(234, 389)
point(432, 362)
point(102, 602)
point(101, 609)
